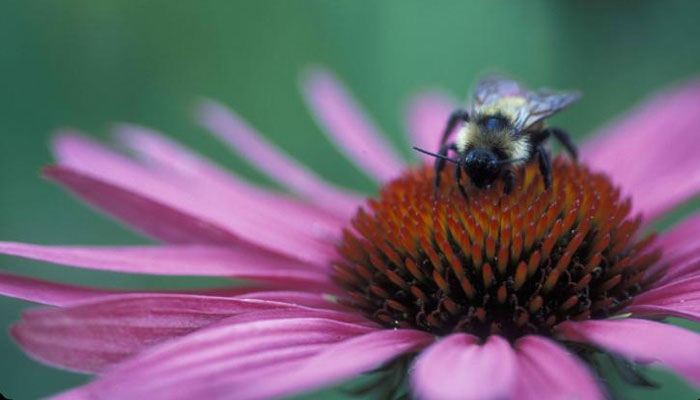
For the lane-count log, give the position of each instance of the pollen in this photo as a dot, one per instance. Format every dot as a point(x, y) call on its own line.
point(512, 264)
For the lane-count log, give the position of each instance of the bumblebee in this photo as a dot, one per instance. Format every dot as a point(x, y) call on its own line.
point(504, 128)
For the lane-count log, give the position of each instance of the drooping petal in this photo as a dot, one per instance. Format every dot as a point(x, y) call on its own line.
point(89, 336)
point(306, 299)
point(145, 215)
point(240, 217)
point(337, 363)
point(250, 144)
point(209, 180)
point(348, 127)
point(641, 341)
point(173, 215)
point(211, 362)
point(45, 292)
point(202, 194)
point(680, 270)
point(548, 371)
point(681, 256)
point(458, 367)
point(680, 298)
point(427, 116)
point(290, 311)
point(681, 235)
point(236, 261)
point(629, 150)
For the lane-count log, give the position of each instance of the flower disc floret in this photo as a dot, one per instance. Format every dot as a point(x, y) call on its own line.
point(494, 263)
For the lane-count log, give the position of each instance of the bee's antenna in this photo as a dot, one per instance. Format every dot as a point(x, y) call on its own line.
point(435, 155)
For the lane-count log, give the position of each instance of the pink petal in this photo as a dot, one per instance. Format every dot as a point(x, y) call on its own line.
point(200, 175)
point(278, 166)
point(58, 294)
point(427, 116)
point(148, 216)
point(89, 336)
point(348, 127)
point(656, 181)
point(679, 270)
point(214, 361)
point(242, 219)
point(641, 341)
point(337, 363)
point(681, 257)
point(306, 299)
point(681, 235)
point(63, 295)
point(680, 298)
point(153, 206)
point(45, 292)
point(290, 311)
point(236, 261)
point(548, 371)
point(458, 367)
point(203, 197)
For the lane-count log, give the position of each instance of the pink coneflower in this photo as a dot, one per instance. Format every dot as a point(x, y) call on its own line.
point(498, 296)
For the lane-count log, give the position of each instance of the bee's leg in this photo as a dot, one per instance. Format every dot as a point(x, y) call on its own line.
point(458, 179)
point(565, 140)
point(456, 116)
point(440, 163)
point(508, 181)
point(545, 165)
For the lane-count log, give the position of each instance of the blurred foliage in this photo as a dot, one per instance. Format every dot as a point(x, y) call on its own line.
point(87, 64)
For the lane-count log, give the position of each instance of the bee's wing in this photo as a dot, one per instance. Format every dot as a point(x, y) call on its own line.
point(492, 89)
point(542, 104)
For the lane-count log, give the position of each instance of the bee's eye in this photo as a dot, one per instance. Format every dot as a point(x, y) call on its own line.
point(494, 123)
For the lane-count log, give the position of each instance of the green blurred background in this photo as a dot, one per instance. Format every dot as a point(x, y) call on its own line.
point(88, 64)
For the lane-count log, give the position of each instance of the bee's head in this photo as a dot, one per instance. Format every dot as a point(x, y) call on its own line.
point(483, 166)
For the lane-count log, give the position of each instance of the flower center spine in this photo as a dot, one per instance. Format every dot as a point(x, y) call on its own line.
point(494, 263)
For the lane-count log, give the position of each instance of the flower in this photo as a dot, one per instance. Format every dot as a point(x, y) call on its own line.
point(496, 296)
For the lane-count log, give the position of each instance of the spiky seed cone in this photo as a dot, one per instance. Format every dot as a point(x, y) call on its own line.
point(510, 264)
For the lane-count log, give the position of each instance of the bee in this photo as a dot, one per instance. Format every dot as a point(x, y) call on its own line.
point(504, 128)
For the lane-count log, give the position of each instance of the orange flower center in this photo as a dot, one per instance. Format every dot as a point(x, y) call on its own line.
point(494, 263)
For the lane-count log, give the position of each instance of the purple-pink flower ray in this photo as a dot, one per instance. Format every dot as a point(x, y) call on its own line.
point(221, 384)
point(348, 126)
point(209, 180)
point(680, 298)
point(209, 224)
point(548, 371)
point(301, 298)
point(426, 117)
point(681, 235)
point(222, 352)
point(656, 182)
point(688, 267)
point(242, 138)
point(91, 335)
point(235, 261)
point(299, 311)
point(681, 256)
point(240, 218)
point(641, 341)
point(145, 215)
point(45, 292)
point(337, 363)
point(459, 367)
point(63, 295)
